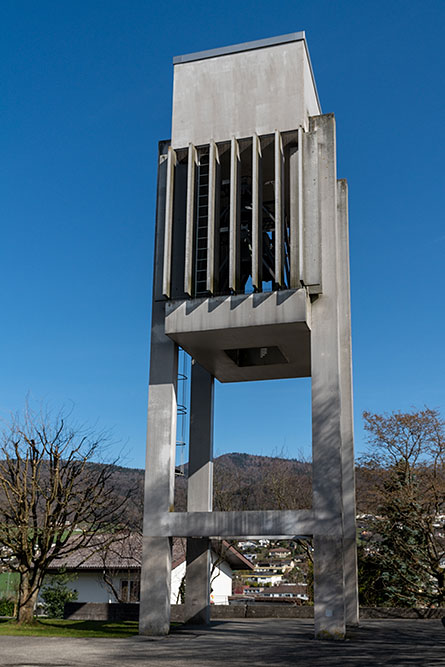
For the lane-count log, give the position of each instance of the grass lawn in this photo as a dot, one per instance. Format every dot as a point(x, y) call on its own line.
point(47, 627)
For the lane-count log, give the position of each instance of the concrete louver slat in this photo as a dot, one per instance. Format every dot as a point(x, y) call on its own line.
point(166, 276)
point(234, 241)
point(295, 213)
point(190, 216)
point(300, 205)
point(279, 211)
point(311, 269)
point(256, 214)
point(211, 220)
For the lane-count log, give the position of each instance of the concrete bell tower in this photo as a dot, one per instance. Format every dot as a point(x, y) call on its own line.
point(251, 278)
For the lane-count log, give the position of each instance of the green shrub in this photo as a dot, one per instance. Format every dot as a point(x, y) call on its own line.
point(6, 607)
point(55, 594)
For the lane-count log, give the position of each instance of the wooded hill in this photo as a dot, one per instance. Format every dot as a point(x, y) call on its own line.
point(247, 482)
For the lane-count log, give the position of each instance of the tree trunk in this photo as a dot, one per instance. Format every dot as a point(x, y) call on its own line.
point(440, 588)
point(28, 593)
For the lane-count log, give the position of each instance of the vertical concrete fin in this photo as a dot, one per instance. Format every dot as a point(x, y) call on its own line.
point(295, 215)
point(167, 267)
point(279, 211)
point(257, 252)
point(311, 214)
point(347, 419)
point(158, 259)
point(212, 264)
point(234, 241)
point(300, 204)
point(190, 218)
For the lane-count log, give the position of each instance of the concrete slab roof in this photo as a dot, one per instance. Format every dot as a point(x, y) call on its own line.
point(268, 84)
point(237, 48)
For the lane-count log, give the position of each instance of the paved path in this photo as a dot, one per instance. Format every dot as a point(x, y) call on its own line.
point(253, 642)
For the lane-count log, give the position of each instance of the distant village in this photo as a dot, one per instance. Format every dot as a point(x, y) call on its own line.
point(280, 572)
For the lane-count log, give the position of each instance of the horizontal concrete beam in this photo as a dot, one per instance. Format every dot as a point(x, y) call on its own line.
point(237, 311)
point(283, 524)
point(207, 328)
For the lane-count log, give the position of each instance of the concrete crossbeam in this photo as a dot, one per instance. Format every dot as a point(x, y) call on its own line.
point(253, 524)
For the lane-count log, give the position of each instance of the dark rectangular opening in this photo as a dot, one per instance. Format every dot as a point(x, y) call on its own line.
point(257, 356)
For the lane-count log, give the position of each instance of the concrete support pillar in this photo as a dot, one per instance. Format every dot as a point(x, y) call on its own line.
point(154, 613)
point(199, 494)
point(329, 590)
point(347, 422)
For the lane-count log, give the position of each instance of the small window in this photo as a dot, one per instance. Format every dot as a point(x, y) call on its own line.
point(130, 590)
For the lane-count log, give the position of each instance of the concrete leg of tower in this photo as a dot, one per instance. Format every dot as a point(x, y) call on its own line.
point(329, 584)
point(349, 511)
point(197, 591)
point(199, 494)
point(154, 612)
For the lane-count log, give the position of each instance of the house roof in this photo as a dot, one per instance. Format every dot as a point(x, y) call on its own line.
point(125, 553)
point(295, 589)
point(235, 558)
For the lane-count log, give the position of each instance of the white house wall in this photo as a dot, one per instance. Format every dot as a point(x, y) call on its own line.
point(90, 586)
point(221, 583)
point(177, 576)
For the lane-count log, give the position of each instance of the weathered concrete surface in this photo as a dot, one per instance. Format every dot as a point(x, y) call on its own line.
point(200, 493)
point(327, 435)
point(346, 419)
point(205, 328)
point(253, 524)
point(243, 642)
point(160, 458)
point(264, 90)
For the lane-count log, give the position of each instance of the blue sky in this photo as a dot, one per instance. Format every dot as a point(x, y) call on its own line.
point(85, 94)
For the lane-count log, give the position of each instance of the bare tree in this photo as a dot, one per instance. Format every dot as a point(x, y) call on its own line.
point(54, 499)
point(262, 482)
point(122, 556)
point(288, 482)
point(407, 460)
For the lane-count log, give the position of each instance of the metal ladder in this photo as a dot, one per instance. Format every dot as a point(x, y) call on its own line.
point(202, 225)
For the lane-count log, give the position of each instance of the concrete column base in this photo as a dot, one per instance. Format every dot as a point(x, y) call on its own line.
point(197, 589)
point(154, 608)
point(329, 600)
